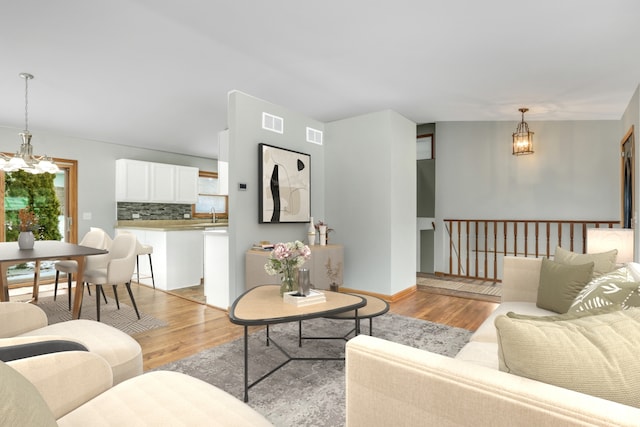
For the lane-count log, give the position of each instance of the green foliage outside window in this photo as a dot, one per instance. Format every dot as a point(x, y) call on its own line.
point(38, 193)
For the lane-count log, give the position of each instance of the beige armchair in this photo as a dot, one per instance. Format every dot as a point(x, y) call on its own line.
point(73, 388)
point(23, 323)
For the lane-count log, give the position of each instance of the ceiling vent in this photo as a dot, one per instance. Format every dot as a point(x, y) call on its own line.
point(272, 123)
point(314, 136)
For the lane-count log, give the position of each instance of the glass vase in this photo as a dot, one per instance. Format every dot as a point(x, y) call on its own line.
point(288, 283)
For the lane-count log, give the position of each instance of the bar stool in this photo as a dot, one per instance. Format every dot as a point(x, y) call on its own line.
point(144, 250)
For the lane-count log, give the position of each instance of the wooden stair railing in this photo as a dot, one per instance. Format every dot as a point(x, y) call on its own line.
point(476, 246)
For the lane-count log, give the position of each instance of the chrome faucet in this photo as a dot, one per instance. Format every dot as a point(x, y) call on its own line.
point(213, 215)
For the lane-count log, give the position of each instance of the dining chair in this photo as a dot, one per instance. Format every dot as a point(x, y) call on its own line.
point(118, 269)
point(95, 238)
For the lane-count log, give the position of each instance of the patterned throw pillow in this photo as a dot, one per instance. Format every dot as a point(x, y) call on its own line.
point(616, 287)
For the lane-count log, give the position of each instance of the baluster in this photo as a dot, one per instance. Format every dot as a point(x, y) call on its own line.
point(571, 237)
point(459, 260)
point(450, 247)
point(559, 234)
point(467, 249)
point(476, 245)
point(548, 237)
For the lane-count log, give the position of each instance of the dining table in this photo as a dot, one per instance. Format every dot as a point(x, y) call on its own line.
point(11, 254)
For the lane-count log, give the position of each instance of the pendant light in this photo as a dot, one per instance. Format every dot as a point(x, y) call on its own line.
point(522, 137)
point(24, 158)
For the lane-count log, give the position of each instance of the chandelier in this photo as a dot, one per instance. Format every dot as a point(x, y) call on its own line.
point(522, 138)
point(24, 158)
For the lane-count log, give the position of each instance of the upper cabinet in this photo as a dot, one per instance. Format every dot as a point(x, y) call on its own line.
point(139, 181)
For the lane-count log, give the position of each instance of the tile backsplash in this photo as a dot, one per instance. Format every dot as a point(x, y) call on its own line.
point(151, 211)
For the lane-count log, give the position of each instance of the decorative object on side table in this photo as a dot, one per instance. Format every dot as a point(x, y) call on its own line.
point(285, 259)
point(334, 275)
point(311, 233)
point(28, 222)
point(324, 230)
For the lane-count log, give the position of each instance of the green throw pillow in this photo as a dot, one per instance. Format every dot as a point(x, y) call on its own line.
point(569, 315)
point(596, 355)
point(604, 262)
point(560, 284)
point(616, 287)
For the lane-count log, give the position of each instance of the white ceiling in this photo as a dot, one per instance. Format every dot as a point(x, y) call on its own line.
point(156, 73)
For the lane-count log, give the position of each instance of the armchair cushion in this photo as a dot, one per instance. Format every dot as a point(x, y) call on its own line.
point(66, 380)
point(22, 405)
point(30, 349)
point(561, 283)
point(595, 355)
point(18, 317)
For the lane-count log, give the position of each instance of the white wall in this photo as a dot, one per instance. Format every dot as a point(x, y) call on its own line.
point(573, 174)
point(245, 133)
point(371, 199)
point(96, 169)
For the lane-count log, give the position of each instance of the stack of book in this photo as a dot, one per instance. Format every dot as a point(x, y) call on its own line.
point(294, 298)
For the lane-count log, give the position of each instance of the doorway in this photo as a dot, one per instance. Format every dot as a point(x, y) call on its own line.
point(65, 193)
point(627, 169)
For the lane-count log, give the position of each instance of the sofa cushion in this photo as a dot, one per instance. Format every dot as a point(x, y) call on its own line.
point(604, 262)
point(596, 355)
point(561, 283)
point(22, 405)
point(487, 330)
point(569, 315)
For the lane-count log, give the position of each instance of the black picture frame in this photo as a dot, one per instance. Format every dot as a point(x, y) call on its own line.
point(284, 185)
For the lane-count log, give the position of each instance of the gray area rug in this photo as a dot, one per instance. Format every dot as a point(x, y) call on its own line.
point(124, 319)
point(307, 393)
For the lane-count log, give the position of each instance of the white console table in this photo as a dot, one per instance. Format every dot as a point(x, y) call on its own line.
point(256, 259)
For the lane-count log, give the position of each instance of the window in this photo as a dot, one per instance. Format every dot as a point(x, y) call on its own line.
point(209, 201)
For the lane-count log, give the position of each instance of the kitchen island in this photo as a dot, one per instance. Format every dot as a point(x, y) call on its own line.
point(177, 251)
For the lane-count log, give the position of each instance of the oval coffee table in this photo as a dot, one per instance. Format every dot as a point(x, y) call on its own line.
point(374, 307)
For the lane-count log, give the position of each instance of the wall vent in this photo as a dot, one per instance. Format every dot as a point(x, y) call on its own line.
point(272, 123)
point(314, 136)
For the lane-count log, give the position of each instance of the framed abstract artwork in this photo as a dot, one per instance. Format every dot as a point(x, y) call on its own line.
point(285, 185)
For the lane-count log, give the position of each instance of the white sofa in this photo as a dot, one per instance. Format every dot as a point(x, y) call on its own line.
point(392, 384)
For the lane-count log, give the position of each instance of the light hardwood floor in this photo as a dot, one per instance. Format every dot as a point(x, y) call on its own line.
point(194, 327)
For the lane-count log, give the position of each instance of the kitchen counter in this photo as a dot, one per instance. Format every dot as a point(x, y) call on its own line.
point(170, 225)
point(177, 251)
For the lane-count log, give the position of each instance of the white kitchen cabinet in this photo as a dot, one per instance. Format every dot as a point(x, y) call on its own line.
point(148, 182)
point(133, 181)
point(216, 268)
point(163, 183)
point(186, 184)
